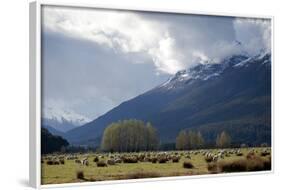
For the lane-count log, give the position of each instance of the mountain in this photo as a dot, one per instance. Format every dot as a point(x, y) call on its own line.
point(53, 131)
point(51, 143)
point(234, 95)
point(62, 120)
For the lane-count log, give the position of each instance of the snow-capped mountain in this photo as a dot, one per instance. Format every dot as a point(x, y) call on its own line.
point(233, 95)
point(210, 70)
point(62, 120)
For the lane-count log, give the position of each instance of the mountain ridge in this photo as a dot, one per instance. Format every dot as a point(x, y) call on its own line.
point(196, 98)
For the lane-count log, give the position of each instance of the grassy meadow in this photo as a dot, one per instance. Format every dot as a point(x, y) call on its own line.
point(70, 168)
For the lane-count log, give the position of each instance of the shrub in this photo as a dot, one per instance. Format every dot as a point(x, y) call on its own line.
point(188, 165)
point(101, 164)
point(154, 160)
point(50, 162)
point(162, 160)
point(250, 156)
point(61, 161)
point(79, 174)
point(130, 160)
point(255, 164)
point(233, 166)
point(265, 153)
point(212, 167)
point(267, 164)
point(175, 159)
point(208, 159)
point(252, 163)
point(140, 175)
point(56, 162)
point(239, 154)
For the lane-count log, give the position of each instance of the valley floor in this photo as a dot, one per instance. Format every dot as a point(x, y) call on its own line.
point(67, 172)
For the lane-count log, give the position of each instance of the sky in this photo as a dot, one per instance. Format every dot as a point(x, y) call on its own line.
point(95, 59)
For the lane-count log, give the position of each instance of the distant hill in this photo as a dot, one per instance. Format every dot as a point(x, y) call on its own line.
point(234, 95)
point(53, 131)
point(51, 143)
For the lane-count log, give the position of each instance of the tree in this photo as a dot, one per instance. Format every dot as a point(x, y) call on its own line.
point(189, 140)
point(200, 140)
point(223, 140)
point(182, 140)
point(51, 143)
point(129, 136)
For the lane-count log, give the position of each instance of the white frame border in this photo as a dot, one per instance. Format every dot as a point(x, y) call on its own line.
point(35, 92)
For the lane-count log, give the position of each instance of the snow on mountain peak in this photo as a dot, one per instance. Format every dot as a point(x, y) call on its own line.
point(204, 71)
point(62, 116)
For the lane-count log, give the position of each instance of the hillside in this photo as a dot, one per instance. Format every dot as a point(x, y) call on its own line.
point(234, 95)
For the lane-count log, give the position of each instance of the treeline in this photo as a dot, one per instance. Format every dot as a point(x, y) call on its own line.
point(135, 135)
point(187, 140)
point(129, 136)
point(51, 143)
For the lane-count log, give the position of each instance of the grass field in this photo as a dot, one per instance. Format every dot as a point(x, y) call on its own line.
point(144, 168)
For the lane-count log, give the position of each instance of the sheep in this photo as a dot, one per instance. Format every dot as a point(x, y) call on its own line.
point(101, 164)
point(118, 161)
point(111, 162)
point(188, 156)
point(96, 159)
point(85, 162)
point(176, 159)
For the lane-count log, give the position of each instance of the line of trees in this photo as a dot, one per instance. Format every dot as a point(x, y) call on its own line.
point(223, 140)
point(129, 136)
point(187, 140)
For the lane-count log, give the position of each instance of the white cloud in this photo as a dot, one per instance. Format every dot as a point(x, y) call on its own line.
point(254, 33)
point(166, 57)
point(172, 42)
point(134, 45)
point(126, 32)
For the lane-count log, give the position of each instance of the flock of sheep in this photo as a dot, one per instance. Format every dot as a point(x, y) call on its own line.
point(108, 159)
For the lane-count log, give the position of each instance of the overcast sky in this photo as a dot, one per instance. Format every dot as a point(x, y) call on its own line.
point(94, 59)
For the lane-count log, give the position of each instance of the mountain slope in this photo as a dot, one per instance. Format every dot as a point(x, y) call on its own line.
point(62, 120)
point(51, 143)
point(53, 131)
point(209, 97)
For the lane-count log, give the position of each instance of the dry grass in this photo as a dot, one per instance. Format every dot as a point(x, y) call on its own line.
point(139, 175)
point(250, 163)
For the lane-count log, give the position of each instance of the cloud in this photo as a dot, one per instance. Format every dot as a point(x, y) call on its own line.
point(173, 41)
point(254, 34)
point(125, 32)
point(83, 77)
point(95, 59)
